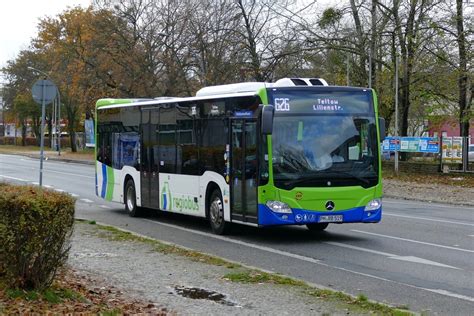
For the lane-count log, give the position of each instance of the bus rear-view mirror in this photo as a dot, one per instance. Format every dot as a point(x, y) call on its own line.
point(382, 128)
point(267, 119)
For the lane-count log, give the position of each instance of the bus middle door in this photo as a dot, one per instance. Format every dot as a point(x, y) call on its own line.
point(149, 161)
point(244, 170)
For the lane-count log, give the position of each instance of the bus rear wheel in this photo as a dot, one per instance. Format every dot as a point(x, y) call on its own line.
point(317, 227)
point(216, 214)
point(131, 199)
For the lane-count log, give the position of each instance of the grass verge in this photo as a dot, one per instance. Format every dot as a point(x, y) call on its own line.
point(242, 274)
point(114, 234)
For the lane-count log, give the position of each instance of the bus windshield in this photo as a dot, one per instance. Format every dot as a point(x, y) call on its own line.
point(320, 145)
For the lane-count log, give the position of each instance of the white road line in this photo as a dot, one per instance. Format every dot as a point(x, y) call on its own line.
point(430, 203)
point(448, 293)
point(74, 194)
point(333, 243)
point(35, 183)
point(428, 219)
point(86, 200)
point(303, 258)
point(58, 190)
point(242, 243)
point(69, 174)
point(47, 186)
point(104, 206)
point(470, 235)
point(413, 241)
point(13, 178)
point(392, 256)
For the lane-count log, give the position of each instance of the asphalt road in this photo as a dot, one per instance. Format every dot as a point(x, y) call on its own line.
point(421, 255)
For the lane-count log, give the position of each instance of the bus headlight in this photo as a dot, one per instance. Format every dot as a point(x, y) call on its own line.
point(373, 205)
point(279, 207)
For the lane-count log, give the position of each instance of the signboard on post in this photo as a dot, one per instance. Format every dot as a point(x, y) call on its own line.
point(411, 144)
point(44, 92)
point(49, 91)
point(452, 149)
point(89, 131)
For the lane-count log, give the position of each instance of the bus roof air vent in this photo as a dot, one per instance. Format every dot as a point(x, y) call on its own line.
point(290, 82)
point(232, 88)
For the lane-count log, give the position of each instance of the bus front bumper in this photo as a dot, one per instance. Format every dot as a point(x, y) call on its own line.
point(267, 217)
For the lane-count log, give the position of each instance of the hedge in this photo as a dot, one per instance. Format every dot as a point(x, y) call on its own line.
point(35, 230)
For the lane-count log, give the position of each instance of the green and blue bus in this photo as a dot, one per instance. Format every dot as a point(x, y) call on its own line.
point(293, 152)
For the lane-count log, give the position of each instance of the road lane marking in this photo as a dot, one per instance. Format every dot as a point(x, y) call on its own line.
point(74, 194)
point(69, 174)
point(105, 206)
point(238, 242)
point(291, 255)
point(47, 186)
point(448, 293)
point(413, 241)
point(13, 178)
point(428, 219)
point(417, 203)
point(86, 200)
point(58, 190)
point(392, 256)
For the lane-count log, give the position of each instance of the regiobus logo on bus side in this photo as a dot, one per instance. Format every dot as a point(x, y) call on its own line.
point(165, 197)
point(187, 203)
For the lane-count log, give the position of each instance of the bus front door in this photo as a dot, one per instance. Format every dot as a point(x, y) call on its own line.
point(244, 170)
point(149, 159)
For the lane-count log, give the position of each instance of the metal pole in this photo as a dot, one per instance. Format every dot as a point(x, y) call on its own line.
point(59, 123)
point(43, 106)
point(370, 69)
point(396, 113)
point(53, 123)
point(347, 70)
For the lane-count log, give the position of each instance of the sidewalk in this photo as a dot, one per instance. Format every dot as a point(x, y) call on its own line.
point(67, 156)
point(184, 282)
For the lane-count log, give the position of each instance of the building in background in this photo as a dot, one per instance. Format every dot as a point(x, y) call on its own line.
point(447, 126)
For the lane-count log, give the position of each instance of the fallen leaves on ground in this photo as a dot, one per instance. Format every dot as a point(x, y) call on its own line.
point(460, 180)
point(83, 297)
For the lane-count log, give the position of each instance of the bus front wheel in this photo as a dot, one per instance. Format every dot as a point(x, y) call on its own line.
point(317, 227)
point(216, 213)
point(131, 199)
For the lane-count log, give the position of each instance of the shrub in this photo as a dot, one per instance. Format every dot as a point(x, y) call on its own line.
point(35, 230)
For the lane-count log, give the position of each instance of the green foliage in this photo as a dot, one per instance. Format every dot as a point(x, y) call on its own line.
point(35, 228)
point(52, 295)
point(254, 276)
point(330, 17)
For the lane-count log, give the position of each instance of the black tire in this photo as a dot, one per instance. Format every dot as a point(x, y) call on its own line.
point(130, 199)
point(317, 227)
point(215, 209)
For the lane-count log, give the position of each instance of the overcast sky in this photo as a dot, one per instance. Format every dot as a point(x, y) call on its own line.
point(19, 20)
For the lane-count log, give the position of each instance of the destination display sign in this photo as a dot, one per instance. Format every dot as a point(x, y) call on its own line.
point(327, 102)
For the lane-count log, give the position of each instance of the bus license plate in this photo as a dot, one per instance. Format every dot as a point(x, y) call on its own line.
point(330, 218)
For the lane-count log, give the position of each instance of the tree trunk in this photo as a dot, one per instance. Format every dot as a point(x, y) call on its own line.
point(462, 79)
point(72, 139)
point(23, 134)
point(373, 44)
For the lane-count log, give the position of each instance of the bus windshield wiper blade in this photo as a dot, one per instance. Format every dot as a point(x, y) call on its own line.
point(353, 176)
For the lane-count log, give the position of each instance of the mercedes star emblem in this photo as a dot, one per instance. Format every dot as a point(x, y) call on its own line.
point(330, 205)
